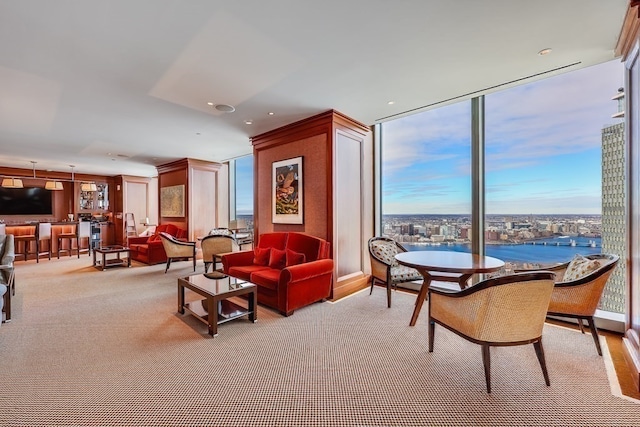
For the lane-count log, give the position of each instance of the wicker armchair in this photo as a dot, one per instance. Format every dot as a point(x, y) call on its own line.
point(504, 311)
point(384, 267)
point(579, 298)
point(213, 246)
point(177, 249)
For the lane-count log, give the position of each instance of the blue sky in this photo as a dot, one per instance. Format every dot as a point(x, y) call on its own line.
point(244, 184)
point(543, 149)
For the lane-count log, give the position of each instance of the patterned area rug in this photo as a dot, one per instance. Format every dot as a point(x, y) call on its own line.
point(92, 348)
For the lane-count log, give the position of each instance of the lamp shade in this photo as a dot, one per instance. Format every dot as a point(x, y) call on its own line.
point(12, 183)
point(53, 185)
point(88, 186)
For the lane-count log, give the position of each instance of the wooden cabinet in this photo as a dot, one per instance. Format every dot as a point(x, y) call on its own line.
point(93, 201)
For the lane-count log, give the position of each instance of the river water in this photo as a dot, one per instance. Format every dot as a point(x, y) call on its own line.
point(555, 250)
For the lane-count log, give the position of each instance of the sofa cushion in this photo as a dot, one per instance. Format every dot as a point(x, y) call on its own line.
point(267, 278)
point(261, 256)
point(312, 247)
point(273, 240)
point(277, 259)
point(295, 258)
point(580, 267)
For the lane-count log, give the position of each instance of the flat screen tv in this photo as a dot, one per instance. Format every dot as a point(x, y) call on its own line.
point(25, 201)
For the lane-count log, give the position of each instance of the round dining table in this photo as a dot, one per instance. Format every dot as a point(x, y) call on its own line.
point(445, 266)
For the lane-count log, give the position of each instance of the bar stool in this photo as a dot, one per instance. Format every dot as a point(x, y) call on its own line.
point(44, 235)
point(70, 236)
point(26, 240)
point(82, 231)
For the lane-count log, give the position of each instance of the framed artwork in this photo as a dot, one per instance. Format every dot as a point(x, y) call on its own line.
point(287, 192)
point(172, 201)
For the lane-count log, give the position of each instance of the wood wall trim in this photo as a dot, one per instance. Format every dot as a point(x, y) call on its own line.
point(307, 127)
point(629, 32)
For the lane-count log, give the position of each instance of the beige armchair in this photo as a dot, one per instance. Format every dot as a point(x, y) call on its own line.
point(384, 267)
point(504, 311)
point(578, 298)
point(7, 274)
point(177, 249)
point(214, 245)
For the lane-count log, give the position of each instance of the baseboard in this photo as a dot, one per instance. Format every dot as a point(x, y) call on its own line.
point(632, 358)
point(348, 285)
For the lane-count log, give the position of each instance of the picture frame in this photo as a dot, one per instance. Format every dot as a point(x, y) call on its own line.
point(172, 201)
point(287, 191)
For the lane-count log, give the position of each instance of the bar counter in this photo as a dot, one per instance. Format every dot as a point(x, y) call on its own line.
point(29, 228)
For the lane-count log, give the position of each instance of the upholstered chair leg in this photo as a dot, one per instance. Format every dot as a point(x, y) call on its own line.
point(486, 361)
point(373, 281)
point(594, 333)
point(543, 364)
point(432, 329)
point(580, 325)
point(206, 267)
point(388, 295)
point(168, 264)
point(194, 262)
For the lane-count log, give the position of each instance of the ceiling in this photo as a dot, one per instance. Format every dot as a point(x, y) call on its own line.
point(120, 86)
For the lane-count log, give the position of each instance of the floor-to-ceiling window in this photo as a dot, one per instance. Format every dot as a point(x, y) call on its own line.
point(242, 190)
point(426, 180)
point(544, 163)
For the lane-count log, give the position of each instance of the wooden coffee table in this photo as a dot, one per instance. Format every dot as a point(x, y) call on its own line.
point(215, 308)
point(111, 262)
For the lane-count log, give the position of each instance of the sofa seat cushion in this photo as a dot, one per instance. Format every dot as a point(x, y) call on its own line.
point(267, 278)
point(244, 271)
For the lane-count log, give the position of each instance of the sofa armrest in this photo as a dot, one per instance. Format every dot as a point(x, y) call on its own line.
point(137, 240)
point(307, 270)
point(232, 259)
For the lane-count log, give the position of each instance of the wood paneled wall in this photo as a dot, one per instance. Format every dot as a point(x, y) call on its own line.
point(201, 182)
point(337, 184)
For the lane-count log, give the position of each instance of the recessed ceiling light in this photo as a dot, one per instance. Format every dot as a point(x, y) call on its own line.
point(225, 108)
point(545, 51)
point(248, 122)
point(391, 102)
point(210, 103)
point(271, 113)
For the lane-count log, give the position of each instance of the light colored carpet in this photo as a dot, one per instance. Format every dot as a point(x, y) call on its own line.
point(91, 348)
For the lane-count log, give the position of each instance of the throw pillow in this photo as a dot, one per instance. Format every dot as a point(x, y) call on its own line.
point(580, 267)
point(261, 256)
point(154, 238)
point(277, 259)
point(294, 258)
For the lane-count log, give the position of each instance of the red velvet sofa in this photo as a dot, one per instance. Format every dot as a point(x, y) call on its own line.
point(291, 270)
point(149, 249)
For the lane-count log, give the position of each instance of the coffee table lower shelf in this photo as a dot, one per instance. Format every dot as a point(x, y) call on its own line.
point(227, 311)
point(216, 308)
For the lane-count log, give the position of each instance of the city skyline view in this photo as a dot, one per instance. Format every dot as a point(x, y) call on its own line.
point(542, 149)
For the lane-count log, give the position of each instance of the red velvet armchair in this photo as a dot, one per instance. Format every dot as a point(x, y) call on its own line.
point(149, 249)
point(291, 270)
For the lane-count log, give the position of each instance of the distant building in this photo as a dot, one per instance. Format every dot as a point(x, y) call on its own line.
point(614, 209)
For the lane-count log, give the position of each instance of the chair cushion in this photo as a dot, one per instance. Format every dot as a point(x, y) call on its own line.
point(295, 258)
point(261, 256)
point(385, 252)
point(580, 267)
point(277, 259)
point(402, 273)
